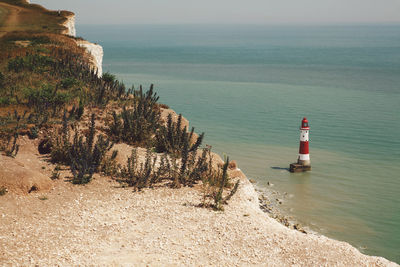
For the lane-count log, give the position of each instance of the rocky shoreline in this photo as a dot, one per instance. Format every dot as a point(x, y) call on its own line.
point(270, 206)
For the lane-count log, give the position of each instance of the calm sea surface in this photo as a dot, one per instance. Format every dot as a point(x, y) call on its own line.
point(248, 88)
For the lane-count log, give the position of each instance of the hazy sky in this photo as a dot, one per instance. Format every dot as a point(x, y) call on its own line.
point(229, 11)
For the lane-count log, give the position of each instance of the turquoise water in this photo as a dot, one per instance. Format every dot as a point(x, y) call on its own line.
point(248, 88)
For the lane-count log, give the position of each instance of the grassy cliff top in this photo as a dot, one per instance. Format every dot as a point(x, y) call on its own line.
point(34, 54)
point(17, 15)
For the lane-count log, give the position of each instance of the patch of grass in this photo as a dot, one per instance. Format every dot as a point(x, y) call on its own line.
point(43, 198)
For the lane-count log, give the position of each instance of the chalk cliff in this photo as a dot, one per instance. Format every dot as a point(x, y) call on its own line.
point(69, 24)
point(96, 52)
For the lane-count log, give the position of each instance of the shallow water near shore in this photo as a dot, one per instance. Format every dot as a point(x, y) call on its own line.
point(248, 88)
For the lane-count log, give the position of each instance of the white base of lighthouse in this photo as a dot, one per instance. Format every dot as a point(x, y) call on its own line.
point(304, 159)
point(303, 164)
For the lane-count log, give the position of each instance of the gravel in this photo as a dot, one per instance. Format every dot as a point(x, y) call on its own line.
point(104, 224)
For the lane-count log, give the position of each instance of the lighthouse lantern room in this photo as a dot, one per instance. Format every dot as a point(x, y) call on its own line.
point(303, 161)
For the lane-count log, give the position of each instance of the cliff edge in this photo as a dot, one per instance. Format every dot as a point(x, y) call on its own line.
point(96, 53)
point(69, 24)
point(94, 50)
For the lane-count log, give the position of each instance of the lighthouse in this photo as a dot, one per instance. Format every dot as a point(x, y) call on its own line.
point(303, 161)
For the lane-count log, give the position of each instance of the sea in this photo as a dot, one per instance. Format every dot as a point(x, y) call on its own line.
point(248, 88)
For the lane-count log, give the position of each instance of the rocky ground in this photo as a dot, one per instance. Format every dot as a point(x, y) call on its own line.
point(104, 224)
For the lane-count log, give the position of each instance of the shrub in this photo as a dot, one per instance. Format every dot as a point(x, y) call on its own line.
point(194, 168)
point(181, 173)
point(214, 184)
point(221, 182)
point(140, 175)
point(109, 165)
point(11, 147)
point(139, 124)
point(175, 139)
point(60, 144)
point(86, 155)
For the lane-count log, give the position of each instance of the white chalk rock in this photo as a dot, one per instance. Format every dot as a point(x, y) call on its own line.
point(96, 52)
point(69, 24)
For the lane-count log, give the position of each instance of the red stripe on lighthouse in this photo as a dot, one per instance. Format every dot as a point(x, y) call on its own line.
point(303, 147)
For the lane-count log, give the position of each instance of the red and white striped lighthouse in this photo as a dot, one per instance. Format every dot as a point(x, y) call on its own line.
point(304, 153)
point(303, 162)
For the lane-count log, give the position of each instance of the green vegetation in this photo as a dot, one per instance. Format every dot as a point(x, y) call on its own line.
point(11, 135)
point(109, 78)
point(46, 98)
point(174, 138)
point(137, 124)
point(221, 181)
point(46, 77)
point(185, 172)
point(49, 79)
point(141, 175)
point(83, 155)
